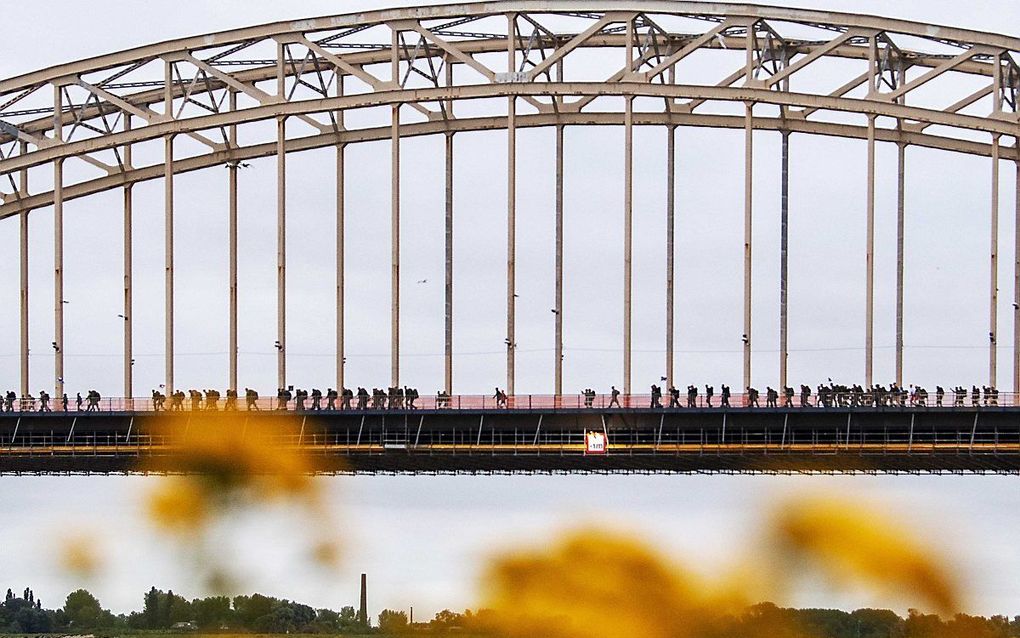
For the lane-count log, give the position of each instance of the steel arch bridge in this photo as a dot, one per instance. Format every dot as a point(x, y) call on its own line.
point(192, 96)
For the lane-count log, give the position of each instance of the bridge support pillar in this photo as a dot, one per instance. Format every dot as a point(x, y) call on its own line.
point(128, 274)
point(23, 255)
point(448, 236)
point(168, 310)
point(993, 282)
point(58, 278)
point(341, 245)
point(558, 305)
point(58, 248)
point(784, 262)
point(1016, 282)
point(628, 239)
point(395, 247)
point(869, 292)
point(901, 152)
point(511, 244)
point(670, 242)
point(748, 210)
point(281, 252)
point(232, 249)
point(448, 276)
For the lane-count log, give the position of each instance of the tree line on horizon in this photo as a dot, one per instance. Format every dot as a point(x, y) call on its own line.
point(255, 613)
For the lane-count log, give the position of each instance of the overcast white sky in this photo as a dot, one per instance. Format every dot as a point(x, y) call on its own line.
point(419, 538)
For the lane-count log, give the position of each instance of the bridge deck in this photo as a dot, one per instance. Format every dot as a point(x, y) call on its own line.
point(975, 440)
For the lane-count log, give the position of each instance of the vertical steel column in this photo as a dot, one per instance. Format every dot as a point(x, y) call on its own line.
point(23, 252)
point(558, 305)
point(670, 243)
point(748, 209)
point(628, 238)
point(448, 293)
point(128, 272)
point(749, 76)
point(511, 214)
point(281, 252)
point(232, 247)
point(869, 293)
point(993, 279)
point(628, 215)
point(341, 245)
point(901, 157)
point(281, 224)
point(58, 249)
point(1016, 280)
point(168, 210)
point(168, 249)
point(448, 273)
point(784, 261)
point(395, 219)
point(670, 232)
point(511, 244)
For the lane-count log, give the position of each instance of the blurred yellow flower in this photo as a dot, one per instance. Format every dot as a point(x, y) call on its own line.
point(229, 451)
point(78, 555)
point(222, 464)
point(595, 583)
point(851, 543)
point(179, 505)
point(598, 583)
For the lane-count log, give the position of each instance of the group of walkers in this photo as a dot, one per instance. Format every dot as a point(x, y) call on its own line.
point(829, 395)
point(302, 400)
point(826, 396)
point(11, 402)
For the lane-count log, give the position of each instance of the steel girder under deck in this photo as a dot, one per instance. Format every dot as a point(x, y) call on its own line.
point(947, 440)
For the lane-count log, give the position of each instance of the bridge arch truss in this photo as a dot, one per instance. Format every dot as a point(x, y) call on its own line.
point(885, 81)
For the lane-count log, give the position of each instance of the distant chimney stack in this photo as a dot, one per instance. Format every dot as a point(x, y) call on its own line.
point(363, 610)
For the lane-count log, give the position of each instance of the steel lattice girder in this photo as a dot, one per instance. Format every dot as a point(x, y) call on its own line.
point(195, 74)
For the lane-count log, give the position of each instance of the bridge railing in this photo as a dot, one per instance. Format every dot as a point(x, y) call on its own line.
point(520, 402)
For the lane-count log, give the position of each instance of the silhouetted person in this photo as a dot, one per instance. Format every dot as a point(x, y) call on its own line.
point(212, 398)
point(614, 397)
point(674, 397)
point(44, 401)
point(78, 402)
point(63, 402)
point(724, 396)
point(316, 399)
point(231, 404)
point(752, 398)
